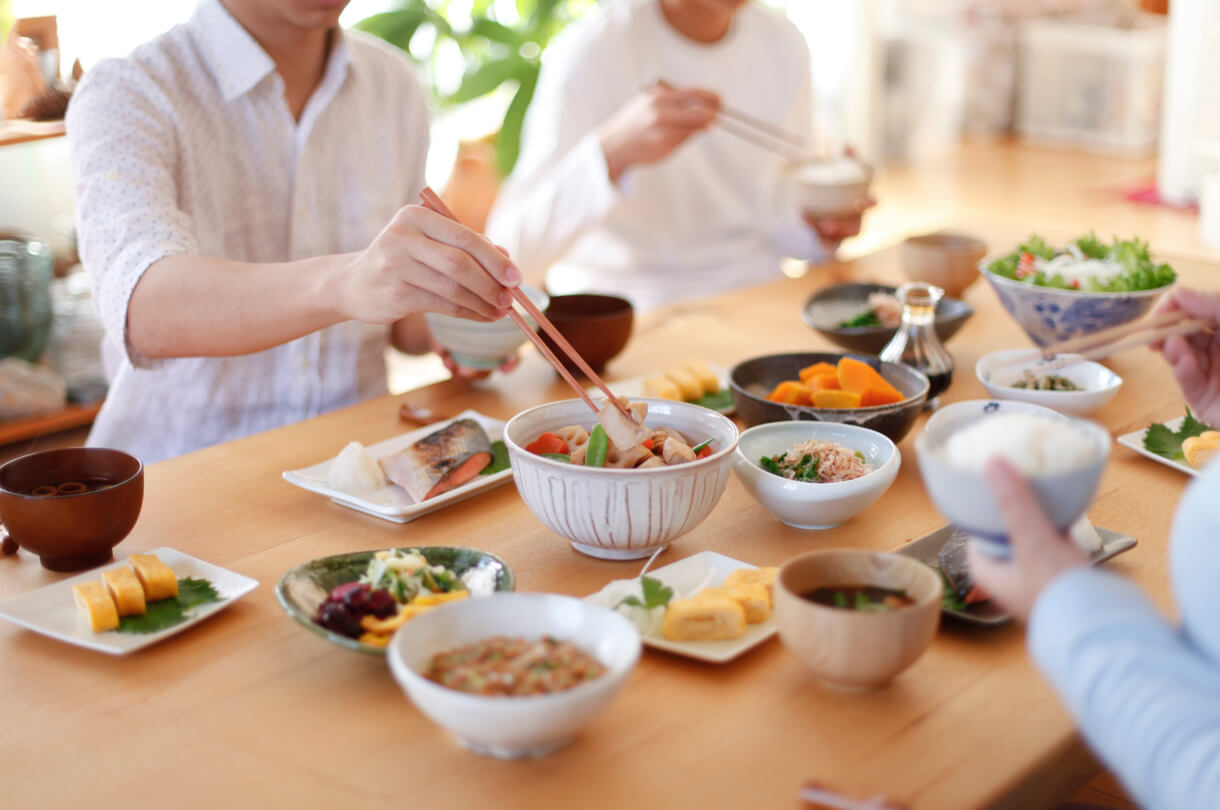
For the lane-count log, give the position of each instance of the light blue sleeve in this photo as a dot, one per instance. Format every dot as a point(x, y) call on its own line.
point(1146, 698)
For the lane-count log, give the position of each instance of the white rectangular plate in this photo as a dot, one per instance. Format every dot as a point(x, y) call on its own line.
point(686, 577)
point(51, 610)
point(1135, 441)
point(633, 387)
point(392, 502)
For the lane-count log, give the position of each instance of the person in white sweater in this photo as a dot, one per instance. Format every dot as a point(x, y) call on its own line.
point(624, 185)
point(1145, 693)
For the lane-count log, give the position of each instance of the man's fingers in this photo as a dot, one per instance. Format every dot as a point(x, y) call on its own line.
point(454, 234)
point(1024, 516)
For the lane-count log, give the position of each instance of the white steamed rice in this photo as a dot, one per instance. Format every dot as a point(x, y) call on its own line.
point(1035, 445)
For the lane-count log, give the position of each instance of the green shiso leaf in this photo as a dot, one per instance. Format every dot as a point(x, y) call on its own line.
point(1168, 444)
point(170, 612)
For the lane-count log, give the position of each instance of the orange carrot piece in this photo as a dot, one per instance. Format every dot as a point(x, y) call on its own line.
point(815, 370)
point(790, 392)
point(836, 399)
point(873, 397)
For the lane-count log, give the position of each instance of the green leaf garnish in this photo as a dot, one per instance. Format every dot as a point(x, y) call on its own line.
point(866, 318)
point(170, 612)
point(499, 459)
point(656, 594)
point(557, 456)
point(950, 599)
point(702, 445)
point(717, 400)
point(1168, 444)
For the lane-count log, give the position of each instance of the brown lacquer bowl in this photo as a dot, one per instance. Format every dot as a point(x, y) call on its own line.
point(597, 326)
point(71, 506)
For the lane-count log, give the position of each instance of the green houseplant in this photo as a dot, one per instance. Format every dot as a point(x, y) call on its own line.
point(497, 52)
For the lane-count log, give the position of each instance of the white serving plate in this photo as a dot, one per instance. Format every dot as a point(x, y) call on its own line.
point(1135, 441)
point(392, 502)
point(51, 610)
point(696, 572)
point(633, 387)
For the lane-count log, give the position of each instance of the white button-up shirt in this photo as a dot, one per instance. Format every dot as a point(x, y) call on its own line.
point(187, 146)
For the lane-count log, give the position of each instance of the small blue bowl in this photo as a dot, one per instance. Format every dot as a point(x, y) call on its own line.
point(1051, 315)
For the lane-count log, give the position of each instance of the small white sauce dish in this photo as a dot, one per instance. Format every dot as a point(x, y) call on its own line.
point(514, 727)
point(808, 505)
point(997, 371)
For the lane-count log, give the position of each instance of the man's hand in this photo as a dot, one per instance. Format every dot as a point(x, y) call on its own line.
point(1040, 553)
point(649, 127)
point(424, 262)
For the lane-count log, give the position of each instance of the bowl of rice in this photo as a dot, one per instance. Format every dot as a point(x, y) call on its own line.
point(1063, 458)
point(815, 475)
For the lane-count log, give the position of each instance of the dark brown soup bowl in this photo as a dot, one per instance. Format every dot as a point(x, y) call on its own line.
point(597, 326)
point(70, 532)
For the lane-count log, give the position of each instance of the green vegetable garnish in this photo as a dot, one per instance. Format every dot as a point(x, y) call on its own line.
point(656, 594)
point(1166, 443)
point(499, 459)
point(701, 445)
point(950, 599)
point(866, 318)
point(557, 456)
point(166, 613)
point(768, 464)
point(599, 445)
point(840, 599)
point(717, 400)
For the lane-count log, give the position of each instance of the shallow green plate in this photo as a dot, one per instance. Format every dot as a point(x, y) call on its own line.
point(302, 589)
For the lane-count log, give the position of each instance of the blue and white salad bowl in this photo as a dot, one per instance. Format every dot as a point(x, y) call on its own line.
point(1050, 315)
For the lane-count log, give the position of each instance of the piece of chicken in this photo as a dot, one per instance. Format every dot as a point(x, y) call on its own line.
point(624, 432)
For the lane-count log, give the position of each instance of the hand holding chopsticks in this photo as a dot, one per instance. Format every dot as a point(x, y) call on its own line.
point(432, 201)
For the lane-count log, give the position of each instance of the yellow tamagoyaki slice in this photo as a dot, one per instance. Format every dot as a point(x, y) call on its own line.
point(687, 384)
point(1201, 449)
point(751, 576)
point(706, 377)
point(94, 603)
point(711, 618)
point(126, 591)
point(661, 388)
point(754, 599)
point(157, 578)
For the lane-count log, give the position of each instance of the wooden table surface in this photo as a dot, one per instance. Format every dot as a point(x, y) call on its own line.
point(248, 709)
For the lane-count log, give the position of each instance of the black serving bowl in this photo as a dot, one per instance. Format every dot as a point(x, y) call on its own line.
point(751, 380)
point(828, 308)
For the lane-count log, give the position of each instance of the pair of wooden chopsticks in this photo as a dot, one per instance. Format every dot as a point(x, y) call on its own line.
point(1114, 340)
point(432, 201)
point(758, 132)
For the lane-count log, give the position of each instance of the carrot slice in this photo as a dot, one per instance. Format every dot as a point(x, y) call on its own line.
point(547, 443)
point(873, 397)
point(790, 392)
point(836, 399)
point(815, 370)
point(859, 377)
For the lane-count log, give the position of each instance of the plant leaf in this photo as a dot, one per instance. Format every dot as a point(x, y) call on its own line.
point(173, 611)
point(508, 143)
point(395, 27)
point(656, 592)
point(487, 77)
point(1166, 443)
point(496, 31)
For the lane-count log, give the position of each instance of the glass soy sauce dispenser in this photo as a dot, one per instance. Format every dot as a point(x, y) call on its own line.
point(916, 343)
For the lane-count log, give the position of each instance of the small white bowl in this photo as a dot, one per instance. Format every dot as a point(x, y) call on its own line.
point(483, 345)
point(514, 727)
point(964, 497)
point(1098, 384)
point(832, 186)
point(805, 505)
point(619, 514)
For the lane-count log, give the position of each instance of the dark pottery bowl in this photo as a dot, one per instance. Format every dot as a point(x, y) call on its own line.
point(751, 381)
point(304, 588)
point(597, 326)
point(71, 532)
point(828, 308)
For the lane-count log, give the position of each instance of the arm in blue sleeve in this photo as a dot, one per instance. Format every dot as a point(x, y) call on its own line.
point(1146, 699)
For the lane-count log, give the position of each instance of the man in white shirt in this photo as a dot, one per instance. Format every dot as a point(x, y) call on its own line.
point(240, 188)
point(623, 186)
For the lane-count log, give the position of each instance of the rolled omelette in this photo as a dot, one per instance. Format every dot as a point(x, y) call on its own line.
point(126, 590)
point(157, 578)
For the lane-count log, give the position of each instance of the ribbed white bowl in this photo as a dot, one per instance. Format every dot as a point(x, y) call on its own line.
point(620, 514)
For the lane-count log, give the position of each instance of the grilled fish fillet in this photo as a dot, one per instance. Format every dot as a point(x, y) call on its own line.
point(440, 461)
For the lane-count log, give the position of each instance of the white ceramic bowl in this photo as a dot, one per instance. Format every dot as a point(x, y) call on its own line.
point(514, 727)
point(1051, 315)
point(480, 345)
point(620, 514)
point(808, 505)
point(851, 650)
point(1097, 384)
point(816, 188)
point(964, 497)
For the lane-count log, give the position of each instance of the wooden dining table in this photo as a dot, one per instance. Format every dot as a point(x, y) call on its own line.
point(248, 709)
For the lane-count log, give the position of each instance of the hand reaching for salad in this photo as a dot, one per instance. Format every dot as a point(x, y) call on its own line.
point(1195, 358)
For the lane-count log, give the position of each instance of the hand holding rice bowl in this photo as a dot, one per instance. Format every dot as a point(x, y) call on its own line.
point(831, 186)
point(855, 483)
point(1063, 459)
